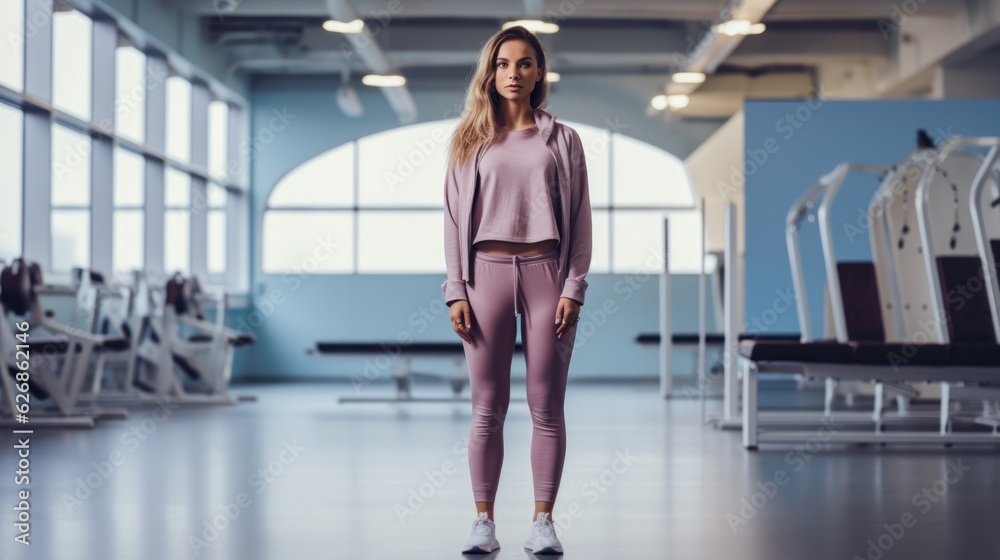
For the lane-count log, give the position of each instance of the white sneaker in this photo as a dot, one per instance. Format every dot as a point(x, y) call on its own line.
point(543, 539)
point(483, 539)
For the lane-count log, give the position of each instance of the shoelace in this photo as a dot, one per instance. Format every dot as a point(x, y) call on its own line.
point(481, 526)
point(544, 527)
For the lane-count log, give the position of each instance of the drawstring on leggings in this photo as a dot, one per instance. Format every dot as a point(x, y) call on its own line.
point(516, 275)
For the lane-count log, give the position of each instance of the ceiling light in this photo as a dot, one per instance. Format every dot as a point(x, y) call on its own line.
point(334, 26)
point(379, 80)
point(688, 78)
point(678, 101)
point(552, 77)
point(740, 27)
point(533, 25)
point(661, 102)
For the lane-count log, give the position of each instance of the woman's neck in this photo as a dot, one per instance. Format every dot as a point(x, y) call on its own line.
point(516, 117)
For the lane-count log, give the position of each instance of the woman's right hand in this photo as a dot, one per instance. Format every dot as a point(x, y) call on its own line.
point(461, 319)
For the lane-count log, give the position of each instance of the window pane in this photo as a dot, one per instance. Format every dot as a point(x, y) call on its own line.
point(325, 180)
point(70, 239)
point(216, 196)
point(130, 185)
point(216, 241)
point(12, 45)
point(645, 175)
point(71, 49)
point(128, 240)
point(638, 241)
point(177, 189)
point(177, 241)
point(70, 167)
point(383, 250)
point(404, 166)
point(130, 93)
point(308, 241)
point(11, 138)
point(218, 138)
point(595, 146)
point(600, 258)
point(178, 118)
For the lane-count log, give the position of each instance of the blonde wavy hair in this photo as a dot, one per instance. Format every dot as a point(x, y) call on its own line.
point(478, 123)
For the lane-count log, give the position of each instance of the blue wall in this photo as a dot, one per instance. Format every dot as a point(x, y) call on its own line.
point(385, 307)
point(790, 144)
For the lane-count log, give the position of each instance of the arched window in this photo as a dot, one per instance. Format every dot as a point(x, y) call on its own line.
point(375, 206)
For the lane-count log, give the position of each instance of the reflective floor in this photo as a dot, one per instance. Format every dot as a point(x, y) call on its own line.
point(297, 475)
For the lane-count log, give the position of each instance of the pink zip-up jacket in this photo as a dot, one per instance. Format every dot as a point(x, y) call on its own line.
point(575, 229)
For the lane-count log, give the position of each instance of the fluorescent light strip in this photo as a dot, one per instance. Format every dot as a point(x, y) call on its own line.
point(533, 25)
point(378, 80)
point(661, 102)
point(350, 27)
point(688, 78)
point(740, 27)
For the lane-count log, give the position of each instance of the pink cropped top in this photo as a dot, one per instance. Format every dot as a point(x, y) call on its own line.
point(517, 184)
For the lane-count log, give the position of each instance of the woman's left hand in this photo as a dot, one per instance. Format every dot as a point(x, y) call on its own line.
point(567, 314)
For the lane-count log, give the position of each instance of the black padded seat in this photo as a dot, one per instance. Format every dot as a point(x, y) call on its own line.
point(412, 348)
point(242, 339)
point(681, 338)
point(58, 344)
point(965, 295)
point(973, 354)
point(819, 352)
point(899, 354)
point(114, 343)
point(862, 308)
point(238, 339)
point(782, 337)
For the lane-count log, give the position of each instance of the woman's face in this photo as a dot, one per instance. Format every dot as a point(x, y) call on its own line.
point(517, 70)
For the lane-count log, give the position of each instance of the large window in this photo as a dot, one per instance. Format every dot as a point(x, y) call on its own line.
point(79, 159)
point(217, 197)
point(71, 57)
point(310, 222)
point(11, 129)
point(177, 222)
point(218, 146)
point(129, 214)
point(352, 204)
point(70, 199)
point(130, 93)
point(178, 118)
point(12, 45)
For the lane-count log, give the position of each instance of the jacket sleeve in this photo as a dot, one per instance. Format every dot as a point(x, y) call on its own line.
point(453, 287)
point(581, 223)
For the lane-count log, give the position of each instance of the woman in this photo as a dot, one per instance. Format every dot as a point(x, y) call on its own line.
point(517, 244)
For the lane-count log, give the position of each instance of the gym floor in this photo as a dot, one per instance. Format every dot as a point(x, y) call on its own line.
point(297, 475)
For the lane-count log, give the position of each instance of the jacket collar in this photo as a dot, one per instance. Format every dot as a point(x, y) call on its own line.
point(546, 123)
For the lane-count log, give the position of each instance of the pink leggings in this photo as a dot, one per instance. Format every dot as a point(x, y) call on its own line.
point(500, 287)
